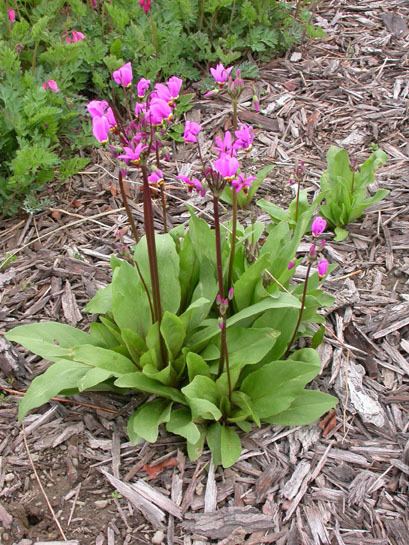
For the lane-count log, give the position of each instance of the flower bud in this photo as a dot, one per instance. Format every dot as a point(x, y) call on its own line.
point(318, 226)
point(291, 265)
point(230, 294)
point(323, 267)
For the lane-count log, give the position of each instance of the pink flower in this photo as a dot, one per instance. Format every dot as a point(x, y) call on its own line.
point(244, 137)
point(318, 226)
point(192, 129)
point(52, 85)
point(220, 74)
point(132, 154)
point(140, 107)
point(11, 14)
point(100, 129)
point(241, 182)
point(225, 144)
point(175, 85)
point(75, 37)
point(169, 92)
point(100, 108)
point(159, 111)
point(291, 265)
point(123, 76)
point(226, 166)
point(322, 267)
point(142, 87)
point(156, 177)
point(193, 184)
point(145, 5)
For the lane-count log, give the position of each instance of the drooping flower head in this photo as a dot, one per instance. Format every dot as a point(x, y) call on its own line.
point(123, 76)
point(156, 178)
point(191, 132)
point(74, 37)
point(145, 5)
point(227, 166)
point(225, 144)
point(174, 85)
point(142, 87)
point(220, 74)
point(101, 108)
point(244, 137)
point(322, 267)
point(242, 183)
point(100, 129)
point(52, 85)
point(11, 14)
point(159, 111)
point(169, 92)
point(318, 226)
point(132, 155)
point(193, 184)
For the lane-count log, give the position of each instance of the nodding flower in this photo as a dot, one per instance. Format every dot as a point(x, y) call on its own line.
point(132, 155)
point(291, 265)
point(52, 85)
point(100, 108)
point(220, 74)
point(156, 178)
point(100, 129)
point(123, 76)
point(169, 92)
point(244, 137)
point(191, 132)
point(318, 226)
point(142, 86)
point(225, 144)
point(322, 267)
point(74, 37)
point(145, 5)
point(242, 183)
point(159, 111)
point(193, 184)
point(11, 14)
point(227, 166)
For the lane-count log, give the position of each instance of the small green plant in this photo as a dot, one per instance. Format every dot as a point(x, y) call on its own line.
point(344, 188)
point(203, 320)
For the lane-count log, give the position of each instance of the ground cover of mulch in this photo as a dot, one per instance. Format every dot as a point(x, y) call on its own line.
point(342, 482)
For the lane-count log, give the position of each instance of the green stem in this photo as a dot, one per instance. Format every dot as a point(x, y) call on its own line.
point(233, 241)
point(304, 295)
point(353, 185)
point(34, 59)
point(154, 32)
point(201, 13)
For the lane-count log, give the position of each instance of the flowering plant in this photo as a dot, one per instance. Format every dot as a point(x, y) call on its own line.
point(203, 319)
point(344, 188)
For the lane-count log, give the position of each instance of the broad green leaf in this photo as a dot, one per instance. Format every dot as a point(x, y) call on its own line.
point(340, 234)
point(306, 408)
point(213, 439)
point(109, 360)
point(180, 423)
point(168, 268)
point(93, 377)
point(142, 383)
point(194, 450)
point(245, 286)
point(130, 306)
point(203, 238)
point(101, 303)
point(230, 446)
point(203, 398)
point(63, 375)
point(49, 340)
point(283, 320)
point(102, 336)
point(246, 409)
point(134, 342)
point(173, 332)
point(196, 365)
point(145, 421)
point(276, 213)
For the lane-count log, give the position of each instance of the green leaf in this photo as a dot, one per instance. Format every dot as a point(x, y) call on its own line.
point(203, 397)
point(306, 408)
point(203, 238)
point(245, 286)
point(135, 344)
point(101, 303)
point(49, 340)
point(213, 439)
point(142, 383)
point(93, 377)
point(145, 421)
point(196, 365)
point(340, 234)
point(109, 360)
point(168, 267)
point(63, 375)
point(230, 446)
point(102, 336)
point(241, 400)
point(194, 450)
point(180, 423)
point(173, 332)
point(130, 306)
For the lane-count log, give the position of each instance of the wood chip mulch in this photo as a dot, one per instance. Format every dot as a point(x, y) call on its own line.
point(344, 481)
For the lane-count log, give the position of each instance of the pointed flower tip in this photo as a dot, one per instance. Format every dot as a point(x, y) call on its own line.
point(318, 226)
point(123, 76)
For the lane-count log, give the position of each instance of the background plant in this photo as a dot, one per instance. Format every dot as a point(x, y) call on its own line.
point(344, 188)
point(202, 319)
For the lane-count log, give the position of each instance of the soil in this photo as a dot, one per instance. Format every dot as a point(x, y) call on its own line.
point(341, 482)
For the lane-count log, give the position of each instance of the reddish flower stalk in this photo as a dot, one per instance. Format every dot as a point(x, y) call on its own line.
point(224, 357)
point(162, 193)
point(300, 315)
point(233, 240)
